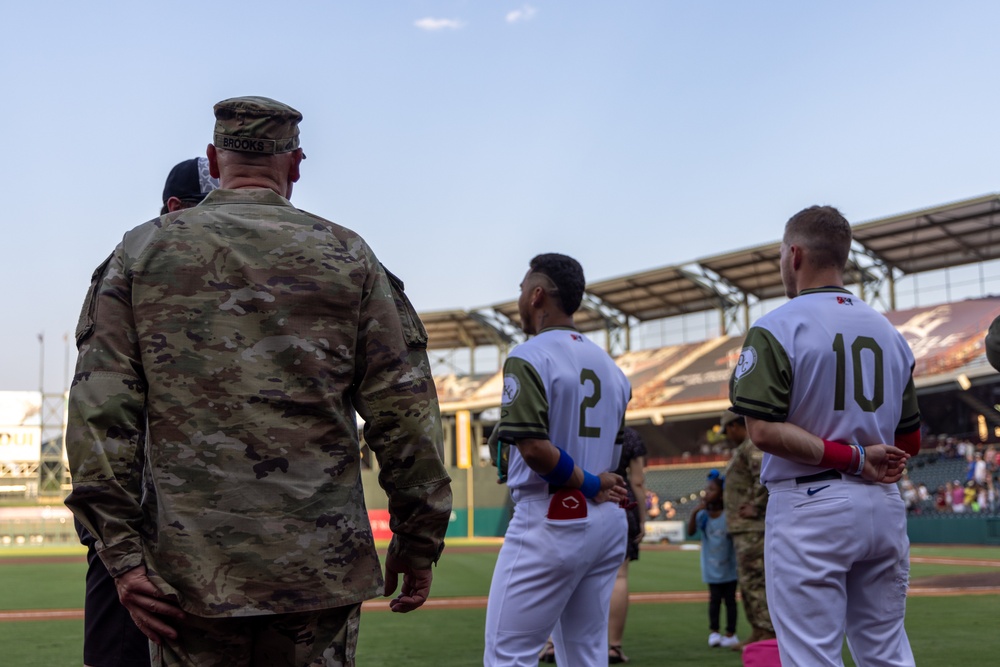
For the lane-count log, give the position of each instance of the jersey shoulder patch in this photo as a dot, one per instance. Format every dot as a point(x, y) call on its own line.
point(746, 363)
point(511, 389)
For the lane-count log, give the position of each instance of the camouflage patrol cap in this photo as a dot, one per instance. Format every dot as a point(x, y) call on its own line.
point(728, 417)
point(256, 125)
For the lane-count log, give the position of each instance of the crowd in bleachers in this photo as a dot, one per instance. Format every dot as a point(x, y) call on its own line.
point(953, 476)
point(949, 476)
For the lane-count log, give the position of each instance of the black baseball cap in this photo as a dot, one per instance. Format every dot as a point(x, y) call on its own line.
point(189, 181)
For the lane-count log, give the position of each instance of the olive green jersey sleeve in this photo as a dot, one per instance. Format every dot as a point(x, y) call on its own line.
point(761, 384)
point(524, 411)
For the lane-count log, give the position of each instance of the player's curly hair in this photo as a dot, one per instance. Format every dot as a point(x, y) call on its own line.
point(825, 232)
point(566, 274)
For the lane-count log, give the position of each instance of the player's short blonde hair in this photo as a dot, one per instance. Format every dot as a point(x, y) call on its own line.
point(824, 232)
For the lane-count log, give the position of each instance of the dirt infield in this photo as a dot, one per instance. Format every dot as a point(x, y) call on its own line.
point(940, 586)
point(983, 583)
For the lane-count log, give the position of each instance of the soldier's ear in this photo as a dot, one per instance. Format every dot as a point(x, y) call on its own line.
point(213, 161)
point(293, 170)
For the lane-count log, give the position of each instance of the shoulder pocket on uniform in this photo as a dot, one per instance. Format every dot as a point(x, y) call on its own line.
point(413, 329)
point(88, 314)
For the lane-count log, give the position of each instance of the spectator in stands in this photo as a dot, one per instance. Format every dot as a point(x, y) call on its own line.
point(971, 497)
point(950, 448)
point(909, 493)
point(979, 469)
point(669, 511)
point(942, 498)
point(957, 497)
point(923, 495)
point(652, 504)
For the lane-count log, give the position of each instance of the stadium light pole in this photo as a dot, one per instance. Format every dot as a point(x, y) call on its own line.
point(41, 363)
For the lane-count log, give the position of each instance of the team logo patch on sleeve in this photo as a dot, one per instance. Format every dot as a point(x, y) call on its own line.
point(511, 389)
point(746, 363)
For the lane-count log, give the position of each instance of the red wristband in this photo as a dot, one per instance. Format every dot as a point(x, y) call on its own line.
point(838, 456)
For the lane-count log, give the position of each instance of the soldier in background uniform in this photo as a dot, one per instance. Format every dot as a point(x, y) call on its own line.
point(225, 351)
point(745, 499)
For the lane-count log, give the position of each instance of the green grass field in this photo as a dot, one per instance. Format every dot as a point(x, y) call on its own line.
point(943, 630)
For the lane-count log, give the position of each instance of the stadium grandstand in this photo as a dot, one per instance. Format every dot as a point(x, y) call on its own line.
point(676, 331)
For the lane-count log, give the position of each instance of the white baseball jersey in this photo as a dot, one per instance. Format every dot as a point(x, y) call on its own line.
point(562, 387)
point(830, 364)
point(836, 551)
point(555, 576)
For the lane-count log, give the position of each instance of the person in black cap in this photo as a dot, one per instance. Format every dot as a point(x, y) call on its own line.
point(187, 184)
point(110, 637)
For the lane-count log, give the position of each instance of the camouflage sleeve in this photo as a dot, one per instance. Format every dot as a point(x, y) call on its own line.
point(105, 431)
point(394, 393)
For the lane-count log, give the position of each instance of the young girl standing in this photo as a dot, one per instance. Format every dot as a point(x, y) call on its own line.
point(718, 560)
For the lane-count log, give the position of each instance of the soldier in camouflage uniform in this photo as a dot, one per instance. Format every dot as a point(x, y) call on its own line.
point(224, 352)
point(745, 499)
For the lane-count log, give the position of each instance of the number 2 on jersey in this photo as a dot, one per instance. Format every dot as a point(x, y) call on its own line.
point(589, 402)
point(860, 343)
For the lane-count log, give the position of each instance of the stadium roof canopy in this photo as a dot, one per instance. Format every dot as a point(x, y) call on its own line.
point(962, 232)
point(659, 293)
point(586, 319)
point(452, 329)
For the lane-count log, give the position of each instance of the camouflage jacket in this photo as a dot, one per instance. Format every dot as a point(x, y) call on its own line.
point(224, 352)
point(743, 486)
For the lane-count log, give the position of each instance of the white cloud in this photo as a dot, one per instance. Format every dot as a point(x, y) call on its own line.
point(433, 24)
point(525, 13)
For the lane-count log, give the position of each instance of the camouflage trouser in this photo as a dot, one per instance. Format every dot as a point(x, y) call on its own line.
point(323, 638)
point(750, 570)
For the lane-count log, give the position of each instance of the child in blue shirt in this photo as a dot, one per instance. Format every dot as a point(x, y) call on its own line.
point(718, 560)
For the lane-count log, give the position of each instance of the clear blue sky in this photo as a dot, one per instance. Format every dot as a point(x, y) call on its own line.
point(463, 137)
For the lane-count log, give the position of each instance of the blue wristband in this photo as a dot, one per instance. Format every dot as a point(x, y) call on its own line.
point(559, 475)
point(591, 485)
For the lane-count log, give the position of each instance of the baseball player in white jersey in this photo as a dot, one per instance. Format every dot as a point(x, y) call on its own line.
point(824, 382)
point(563, 409)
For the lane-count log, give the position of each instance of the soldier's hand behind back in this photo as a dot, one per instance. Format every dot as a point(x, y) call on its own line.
point(416, 585)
